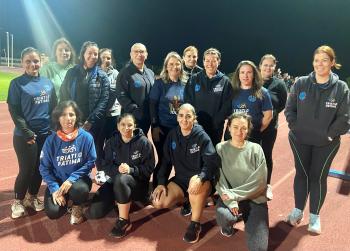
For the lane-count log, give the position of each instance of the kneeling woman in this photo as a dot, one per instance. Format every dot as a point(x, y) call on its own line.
point(189, 149)
point(129, 162)
point(66, 162)
point(242, 184)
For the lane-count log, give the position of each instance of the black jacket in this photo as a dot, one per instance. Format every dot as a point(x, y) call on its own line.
point(133, 88)
point(190, 155)
point(137, 153)
point(211, 98)
point(98, 83)
point(278, 93)
point(315, 112)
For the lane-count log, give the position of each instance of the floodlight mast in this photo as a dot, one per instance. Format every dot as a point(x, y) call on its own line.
point(12, 50)
point(8, 48)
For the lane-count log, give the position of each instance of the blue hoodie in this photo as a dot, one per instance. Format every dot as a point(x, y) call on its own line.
point(61, 161)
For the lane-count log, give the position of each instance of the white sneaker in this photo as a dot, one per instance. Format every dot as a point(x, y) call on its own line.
point(314, 224)
point(32, 201)
point(18, 209)
point(77, 215)
point(295, 217)
point(269, 194)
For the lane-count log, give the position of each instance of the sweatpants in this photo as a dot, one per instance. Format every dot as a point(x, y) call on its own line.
point(78, 193)
point(28, 156)
point(268, 139)
point(123, 189)
point(256, 222)
point(312, 165)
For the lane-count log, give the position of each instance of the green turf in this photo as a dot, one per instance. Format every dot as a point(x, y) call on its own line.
point(5, 79)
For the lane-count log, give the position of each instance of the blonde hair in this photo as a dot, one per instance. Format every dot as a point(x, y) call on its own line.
point(164, 75)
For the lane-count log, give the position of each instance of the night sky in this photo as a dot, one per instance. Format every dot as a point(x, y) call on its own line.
point(291, 30)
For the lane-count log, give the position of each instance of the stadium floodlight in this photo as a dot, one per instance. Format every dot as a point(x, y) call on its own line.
point(44, 26)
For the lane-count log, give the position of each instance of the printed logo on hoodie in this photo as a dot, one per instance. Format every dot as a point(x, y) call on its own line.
point(69, 156)
point(252, 98)
point(137, 84)
point(331, 103)
point(135, 155)
point(218, 88)
point(194, 148)
point(43, 98)
point(173, 145)
point(302, 96)
point(197, 88)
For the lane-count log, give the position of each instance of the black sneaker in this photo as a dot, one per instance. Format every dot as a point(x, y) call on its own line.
point(227, 231)
point(192, 232)
point(186, 209)
point(120, 228)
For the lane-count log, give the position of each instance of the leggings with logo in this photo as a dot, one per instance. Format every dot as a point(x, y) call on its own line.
point(312, 164)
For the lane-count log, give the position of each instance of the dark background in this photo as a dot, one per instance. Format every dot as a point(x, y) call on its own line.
point(291, 30)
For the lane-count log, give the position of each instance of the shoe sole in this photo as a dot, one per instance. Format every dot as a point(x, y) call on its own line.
point(16, 216)
point(313, 231)
point(196, 240)
point(226, 235)
point(126, 231)
point(188, 214)
point(295, 224)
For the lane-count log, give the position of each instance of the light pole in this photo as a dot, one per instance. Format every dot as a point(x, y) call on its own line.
point(8, 48)
point(12, 50)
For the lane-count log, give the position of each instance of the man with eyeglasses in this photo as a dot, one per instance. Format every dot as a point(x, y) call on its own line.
point(134, 83)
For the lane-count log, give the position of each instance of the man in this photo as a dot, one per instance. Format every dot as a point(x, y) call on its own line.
point(134, 83)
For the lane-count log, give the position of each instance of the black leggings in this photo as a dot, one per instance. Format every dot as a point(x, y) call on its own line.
point(122, 189)
point(28, 156)
point(312, 165)
point(268, 139)
point(78, 193)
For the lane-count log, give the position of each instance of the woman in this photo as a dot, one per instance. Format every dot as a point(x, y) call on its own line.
point(242, 184)
point(317, 113)
point(250, 97)
point(209, 92)
point(64, 59)
point(31, 98)
point(278, 93)
point(189, 149)
point(88, 85)
point(106, 63)
point(190, 57)
point(66, 162)
point(128, 164)
point(166, 96)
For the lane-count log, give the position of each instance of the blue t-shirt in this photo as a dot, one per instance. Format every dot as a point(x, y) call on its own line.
point(61, 160)
point(246, 102)
point(169, 97)
point(33, 95)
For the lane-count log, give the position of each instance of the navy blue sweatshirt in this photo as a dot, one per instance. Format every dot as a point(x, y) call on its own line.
point(190, 155)
point(315, 112)
point(137, 153)
point(211, 97)
point(133, 88)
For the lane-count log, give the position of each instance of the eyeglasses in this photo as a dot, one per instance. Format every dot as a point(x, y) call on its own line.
point(142, 52)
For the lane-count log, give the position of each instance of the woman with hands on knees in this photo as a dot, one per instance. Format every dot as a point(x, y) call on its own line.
point(126, 169)
point(242, 184)
point(189, 149)
point(66, 162)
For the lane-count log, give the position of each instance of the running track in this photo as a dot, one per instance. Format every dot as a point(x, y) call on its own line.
point(163, 230)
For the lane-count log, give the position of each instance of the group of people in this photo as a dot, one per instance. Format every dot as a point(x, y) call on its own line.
point(70, 118)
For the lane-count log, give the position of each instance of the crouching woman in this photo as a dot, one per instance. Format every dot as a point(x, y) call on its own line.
point(66, 160)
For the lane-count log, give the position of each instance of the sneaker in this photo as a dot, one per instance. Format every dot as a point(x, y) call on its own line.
point(227, 231)
point(18, 209)
point(314, 224)
point(295, 217)
point(186, 209)
point(121, 227)
point(192, 232)
point(33, 202)
point(77, 215)
point(269, 194)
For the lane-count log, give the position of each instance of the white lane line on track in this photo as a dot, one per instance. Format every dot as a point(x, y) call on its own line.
point(278, 183)
point(8, 177)
point(6, 150)
point(5, 133)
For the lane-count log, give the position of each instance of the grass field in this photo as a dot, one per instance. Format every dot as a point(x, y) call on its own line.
point(5, 79)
